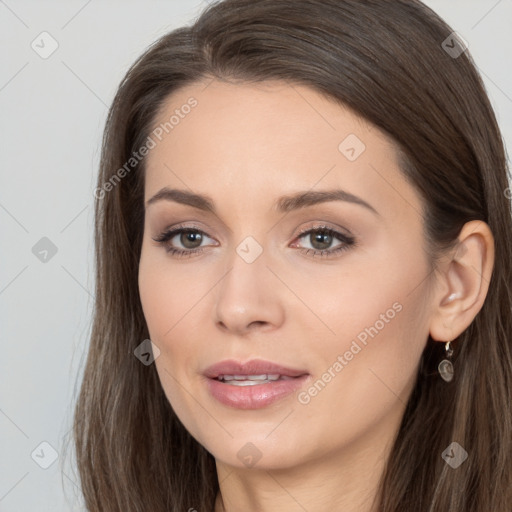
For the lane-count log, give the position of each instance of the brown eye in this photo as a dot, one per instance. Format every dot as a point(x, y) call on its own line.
point(191, 239)
point(324, 241)
point(321, 240)
point(183, 241)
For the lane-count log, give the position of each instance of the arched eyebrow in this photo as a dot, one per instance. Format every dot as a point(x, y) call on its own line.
point(283, 205)
point(304, 199)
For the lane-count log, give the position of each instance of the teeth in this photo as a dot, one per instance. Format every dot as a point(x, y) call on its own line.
point(247, 382)
point(251, 378)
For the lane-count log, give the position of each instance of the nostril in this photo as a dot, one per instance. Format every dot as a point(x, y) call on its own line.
point(257, 322)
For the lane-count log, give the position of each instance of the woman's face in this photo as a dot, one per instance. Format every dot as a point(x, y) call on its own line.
point(250, 281)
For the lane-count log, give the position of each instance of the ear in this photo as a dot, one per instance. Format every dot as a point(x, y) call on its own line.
point(463, 282)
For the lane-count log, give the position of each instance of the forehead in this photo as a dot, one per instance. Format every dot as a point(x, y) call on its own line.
point(257, 139)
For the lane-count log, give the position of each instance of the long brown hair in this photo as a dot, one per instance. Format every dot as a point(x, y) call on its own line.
point(387, 60)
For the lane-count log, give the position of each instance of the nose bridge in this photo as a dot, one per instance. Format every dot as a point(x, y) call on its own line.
point(247, 268)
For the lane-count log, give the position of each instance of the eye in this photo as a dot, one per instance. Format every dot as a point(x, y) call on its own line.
point(321, 239)
point(185, 241)
point(189, 238)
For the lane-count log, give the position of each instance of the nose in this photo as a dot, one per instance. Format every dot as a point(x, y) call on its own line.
point(249, 298)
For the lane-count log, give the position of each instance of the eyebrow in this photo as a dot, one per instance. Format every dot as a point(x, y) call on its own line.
point(283, 204)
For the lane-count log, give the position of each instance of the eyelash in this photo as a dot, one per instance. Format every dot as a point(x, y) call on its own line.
point(166, 236)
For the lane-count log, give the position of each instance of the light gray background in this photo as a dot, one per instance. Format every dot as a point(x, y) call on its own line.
point(53, 112)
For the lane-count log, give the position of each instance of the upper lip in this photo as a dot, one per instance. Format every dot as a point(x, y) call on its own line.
point(251, 367)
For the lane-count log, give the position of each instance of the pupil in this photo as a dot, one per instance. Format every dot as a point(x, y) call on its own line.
point(322, 238)
point(188, 238)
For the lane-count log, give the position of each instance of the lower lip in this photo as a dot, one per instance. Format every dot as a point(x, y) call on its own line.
point(254, 397)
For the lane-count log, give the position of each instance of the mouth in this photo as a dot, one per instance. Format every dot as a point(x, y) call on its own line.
point(252, 385)
point(252, 380)
point(255, 370)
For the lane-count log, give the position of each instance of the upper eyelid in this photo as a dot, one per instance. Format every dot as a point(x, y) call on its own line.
point(325, 227)
point(174, 231)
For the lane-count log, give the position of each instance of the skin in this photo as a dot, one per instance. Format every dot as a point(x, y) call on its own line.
point(244, 146)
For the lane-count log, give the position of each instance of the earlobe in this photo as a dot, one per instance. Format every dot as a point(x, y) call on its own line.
point(464, 282)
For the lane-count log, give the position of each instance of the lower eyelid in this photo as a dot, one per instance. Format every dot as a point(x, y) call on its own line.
point(207, 240)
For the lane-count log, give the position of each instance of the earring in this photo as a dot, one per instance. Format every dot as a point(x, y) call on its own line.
point(445, 367)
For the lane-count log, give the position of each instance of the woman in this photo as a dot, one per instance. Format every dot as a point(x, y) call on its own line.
point(303, 243)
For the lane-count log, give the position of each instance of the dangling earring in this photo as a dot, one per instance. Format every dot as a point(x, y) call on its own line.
point(445, 367)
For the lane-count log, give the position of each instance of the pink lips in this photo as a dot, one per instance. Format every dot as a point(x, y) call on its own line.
point(252, 367)
point(253, 396)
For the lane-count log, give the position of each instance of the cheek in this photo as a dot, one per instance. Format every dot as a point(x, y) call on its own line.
point(158, 302)
point(375, 327)
point(167, 300)
point(171, 299)
point(364, 290)
point(379, 319)
point(167, 294)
